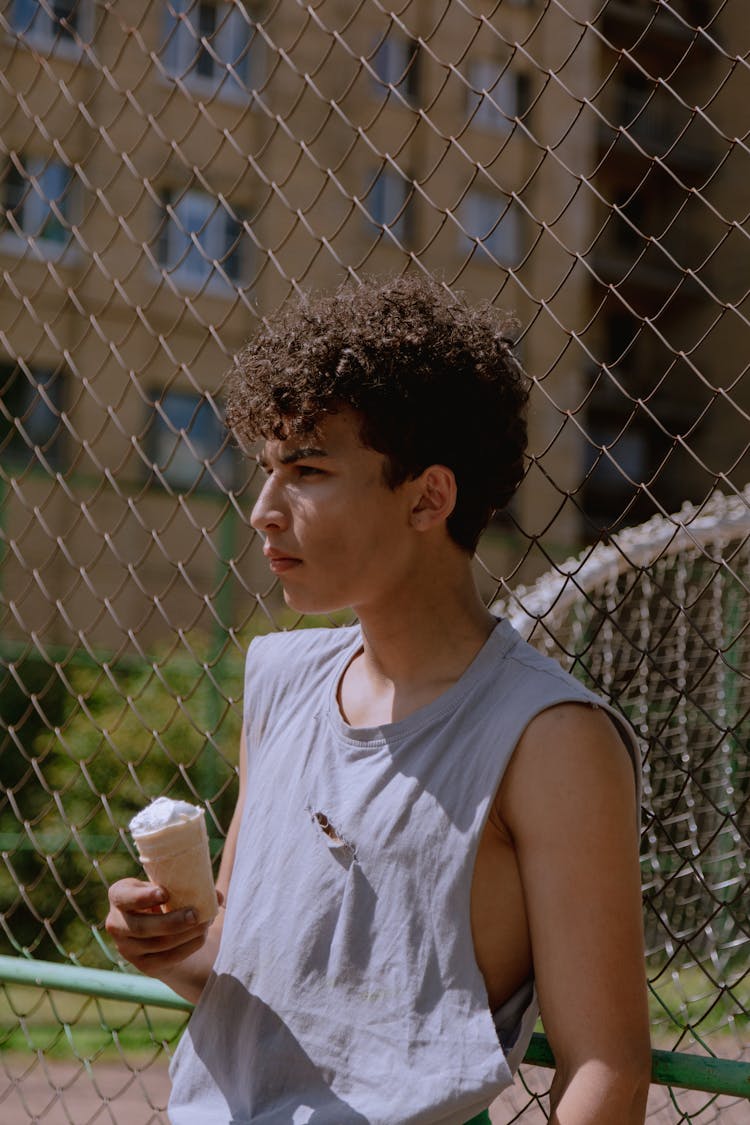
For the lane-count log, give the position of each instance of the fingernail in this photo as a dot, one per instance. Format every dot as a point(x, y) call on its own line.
point(191, 916)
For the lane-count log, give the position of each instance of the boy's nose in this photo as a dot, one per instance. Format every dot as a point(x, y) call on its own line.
point(268, 511)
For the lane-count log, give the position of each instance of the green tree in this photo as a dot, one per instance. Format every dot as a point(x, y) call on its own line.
point(111, 738)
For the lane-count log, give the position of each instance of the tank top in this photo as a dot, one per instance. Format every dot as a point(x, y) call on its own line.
point(345, 990)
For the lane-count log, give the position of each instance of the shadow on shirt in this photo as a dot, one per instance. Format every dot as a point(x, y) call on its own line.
point(284, 1083)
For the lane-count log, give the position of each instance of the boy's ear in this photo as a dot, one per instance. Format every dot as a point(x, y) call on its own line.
point(434, 497)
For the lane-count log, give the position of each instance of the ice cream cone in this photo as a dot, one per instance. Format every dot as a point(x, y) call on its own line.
point(177, 858)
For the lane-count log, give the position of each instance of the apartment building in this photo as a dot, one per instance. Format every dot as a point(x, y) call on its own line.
point(669, 262)
point(171, 171)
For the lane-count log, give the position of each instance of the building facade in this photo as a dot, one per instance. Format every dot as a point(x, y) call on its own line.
point(172, 171)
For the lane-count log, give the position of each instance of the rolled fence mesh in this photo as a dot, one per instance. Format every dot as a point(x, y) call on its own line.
point(170, 173)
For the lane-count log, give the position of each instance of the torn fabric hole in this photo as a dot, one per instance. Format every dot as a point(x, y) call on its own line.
point(332, 833)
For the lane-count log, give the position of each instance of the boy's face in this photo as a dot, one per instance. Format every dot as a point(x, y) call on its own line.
point(335, 534)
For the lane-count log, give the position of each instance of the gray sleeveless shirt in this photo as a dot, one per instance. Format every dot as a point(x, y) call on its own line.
point(346, 988)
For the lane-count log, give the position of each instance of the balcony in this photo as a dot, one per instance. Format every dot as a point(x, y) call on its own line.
point(646, 270)
point(660, 131)
point(642, 25)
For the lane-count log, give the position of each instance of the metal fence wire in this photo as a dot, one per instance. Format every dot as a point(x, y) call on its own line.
point(171, 171)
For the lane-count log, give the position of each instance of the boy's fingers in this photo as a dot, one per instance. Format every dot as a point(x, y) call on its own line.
point(161, 943)
point(134, 895)
point(126, 924)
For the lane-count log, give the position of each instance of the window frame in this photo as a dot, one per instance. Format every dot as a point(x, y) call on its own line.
point(181, 50)
point(43, 393)
point(33, 211)
point(178, 458)
point(400, 228)
point(397, 65)
point(42, 30)
point(216, 274)
point(493, 107)
point(489, 247)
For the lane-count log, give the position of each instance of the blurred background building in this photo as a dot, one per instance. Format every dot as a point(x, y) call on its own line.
point(171, 171)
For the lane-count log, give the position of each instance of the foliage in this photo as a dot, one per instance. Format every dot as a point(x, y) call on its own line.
point(84, 747)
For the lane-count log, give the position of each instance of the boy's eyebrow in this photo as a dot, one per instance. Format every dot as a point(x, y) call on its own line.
point(302, 453)
point(299, 454)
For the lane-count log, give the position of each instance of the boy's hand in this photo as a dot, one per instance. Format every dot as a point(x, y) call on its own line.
point(150, 940)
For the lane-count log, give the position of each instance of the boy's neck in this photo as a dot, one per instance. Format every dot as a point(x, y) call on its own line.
point(415, 648)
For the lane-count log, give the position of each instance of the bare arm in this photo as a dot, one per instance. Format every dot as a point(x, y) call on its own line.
point(171, 946)
point(568, 800)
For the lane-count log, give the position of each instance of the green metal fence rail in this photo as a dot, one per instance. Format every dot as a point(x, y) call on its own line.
point(669, 1068)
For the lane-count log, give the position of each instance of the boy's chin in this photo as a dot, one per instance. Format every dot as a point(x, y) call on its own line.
point(309, 604)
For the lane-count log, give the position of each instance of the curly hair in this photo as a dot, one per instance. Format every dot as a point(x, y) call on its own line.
point(433, 380)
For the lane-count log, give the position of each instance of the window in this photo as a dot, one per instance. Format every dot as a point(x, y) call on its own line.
point(491, 222)
point(389, 204)
point(629, 460)
point(54, 24)
point(628, 456)
point(633, 93)
point(495, 98)
point(37, 199)
point(622, 330)
point(208, 43)
point(199, 241)
point(618, 455)
point(188, 443)
point(396, 63)
point(30, 409)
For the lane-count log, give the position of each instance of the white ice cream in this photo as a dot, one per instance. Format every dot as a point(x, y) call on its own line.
point(172, 844)
point(162, 813)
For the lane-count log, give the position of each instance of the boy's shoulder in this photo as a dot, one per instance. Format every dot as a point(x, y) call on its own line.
point(288, 652)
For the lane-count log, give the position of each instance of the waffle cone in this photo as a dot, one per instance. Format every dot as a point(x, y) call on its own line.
point(177, 858)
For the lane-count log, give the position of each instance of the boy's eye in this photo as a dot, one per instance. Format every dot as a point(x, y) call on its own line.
point(308, 470)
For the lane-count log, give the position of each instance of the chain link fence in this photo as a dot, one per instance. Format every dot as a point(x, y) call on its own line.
point(173, 171)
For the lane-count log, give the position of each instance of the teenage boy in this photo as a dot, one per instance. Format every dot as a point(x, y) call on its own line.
point(436, 825)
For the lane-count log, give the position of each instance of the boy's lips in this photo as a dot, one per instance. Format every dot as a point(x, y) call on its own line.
point(279, 561)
